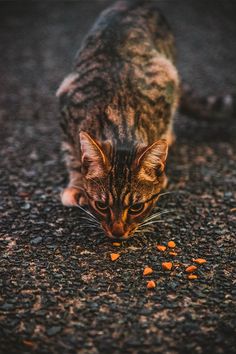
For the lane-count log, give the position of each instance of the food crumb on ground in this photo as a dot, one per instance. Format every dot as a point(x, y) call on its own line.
point(167, 265)
point(192, 276)
point(151, 284)
point(199, 260)
point(147, 271)
point(117, 244)
point(161, 248)
point(171, 244)
point(190, 269)
point(114, 256)
point(172, 253)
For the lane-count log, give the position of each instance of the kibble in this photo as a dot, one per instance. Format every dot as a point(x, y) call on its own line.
point(192, 276)
point(114, 256)
point(199, 260)
point(167, 265)
point(151, 284)
point(161, 248)
point(190, 269)
point(147, 271)
point(171, 244)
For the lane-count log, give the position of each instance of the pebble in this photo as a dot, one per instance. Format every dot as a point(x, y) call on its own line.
point(53, 330)
point(35, 241)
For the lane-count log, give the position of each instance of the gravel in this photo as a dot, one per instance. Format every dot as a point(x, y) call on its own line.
point(60, 292)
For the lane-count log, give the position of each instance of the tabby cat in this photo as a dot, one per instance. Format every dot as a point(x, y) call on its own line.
point(117, 109)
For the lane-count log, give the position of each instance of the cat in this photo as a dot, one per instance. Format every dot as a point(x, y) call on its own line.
point(117, 109)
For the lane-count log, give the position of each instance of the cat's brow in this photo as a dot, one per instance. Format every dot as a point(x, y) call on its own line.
point(126, 200)
point(137, 199)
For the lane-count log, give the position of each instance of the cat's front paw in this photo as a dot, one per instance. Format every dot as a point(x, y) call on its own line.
point(71, 196)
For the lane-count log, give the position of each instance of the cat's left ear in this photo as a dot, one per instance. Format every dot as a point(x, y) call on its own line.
point(152, 159)
point(94, 158)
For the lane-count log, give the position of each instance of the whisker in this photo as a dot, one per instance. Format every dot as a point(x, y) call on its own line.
point(153, 222)
point(143, 231)
point(88, 213)
point(83, 221)
point(153, 216)
point(169, 192)
point(88, 222)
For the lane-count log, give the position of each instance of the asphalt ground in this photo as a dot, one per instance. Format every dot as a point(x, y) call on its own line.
point(60, 291)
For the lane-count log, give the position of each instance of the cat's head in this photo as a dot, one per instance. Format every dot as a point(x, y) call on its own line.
point(122, 185)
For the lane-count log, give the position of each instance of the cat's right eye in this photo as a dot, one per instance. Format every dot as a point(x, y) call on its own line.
point(136, 208)
point(101, 206)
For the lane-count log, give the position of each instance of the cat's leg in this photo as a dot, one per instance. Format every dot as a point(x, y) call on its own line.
point(73, 194)
point(170, 138)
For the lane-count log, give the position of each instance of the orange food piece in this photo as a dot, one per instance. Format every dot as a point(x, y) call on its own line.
point(117, 244)
point(190, 269)
point(192, 276)
point(199, 260)
point(167, 265)
point(171, 244)
point(28, 342)
point(172, 253)
point(151, 284)
point(161, 248)
point(114, 256)
point(147, 271)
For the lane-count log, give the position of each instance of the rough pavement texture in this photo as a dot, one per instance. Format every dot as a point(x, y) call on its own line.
point(60, 292)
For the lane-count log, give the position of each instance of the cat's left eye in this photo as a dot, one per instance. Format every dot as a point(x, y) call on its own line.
point(136, 208)
point(101, 206)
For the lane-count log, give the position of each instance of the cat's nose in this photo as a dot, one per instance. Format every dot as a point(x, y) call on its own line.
point(118, 229)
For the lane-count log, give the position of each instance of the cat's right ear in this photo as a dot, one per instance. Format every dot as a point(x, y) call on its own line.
point(95, 162)
point(152, 159)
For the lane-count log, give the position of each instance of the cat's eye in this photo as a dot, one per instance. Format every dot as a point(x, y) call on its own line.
point(136, 208)
point(101, 206)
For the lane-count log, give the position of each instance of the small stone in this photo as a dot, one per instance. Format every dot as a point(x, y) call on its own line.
point(26, 206)
point(53, 330)
point(7, 306)
point(36, 240)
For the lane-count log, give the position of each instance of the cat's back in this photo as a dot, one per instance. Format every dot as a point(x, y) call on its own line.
point(123, 64)
point(124, 31)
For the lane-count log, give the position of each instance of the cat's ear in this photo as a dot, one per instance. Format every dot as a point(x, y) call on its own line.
point(151, 161)
point(95, 162)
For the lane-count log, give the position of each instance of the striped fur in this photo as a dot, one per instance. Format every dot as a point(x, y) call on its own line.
point(117, 109)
